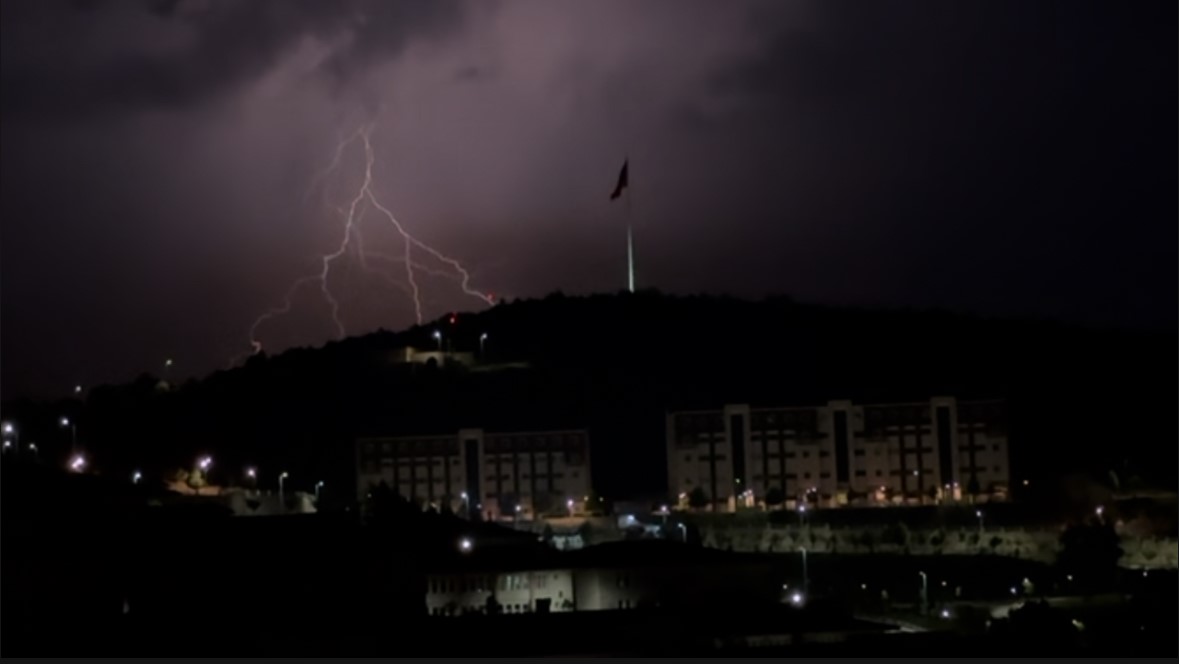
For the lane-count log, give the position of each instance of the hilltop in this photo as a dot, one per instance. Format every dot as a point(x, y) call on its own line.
point(1079, 399)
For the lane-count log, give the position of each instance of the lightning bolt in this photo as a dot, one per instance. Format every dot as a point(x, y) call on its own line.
point(362, 199)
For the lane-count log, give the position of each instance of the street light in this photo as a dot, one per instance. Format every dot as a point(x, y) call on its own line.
point(1100, 511)
point(77, 389)
point(924, 593)
point(465, 545)
point(136, 476)
point(251, 473)
point(281, 479)
point(684, 529)
point(438, 337)
point(979, 514)
point(65, 422)
point(801, 513)
point(482, 341)
point(78, 463)
point(806, 581)
point(569, 506)
point(205, 463)
point(10, 430)
point(318, 486)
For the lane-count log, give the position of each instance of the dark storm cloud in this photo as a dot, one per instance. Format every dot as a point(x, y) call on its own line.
point(998, 157)
point(85, 57)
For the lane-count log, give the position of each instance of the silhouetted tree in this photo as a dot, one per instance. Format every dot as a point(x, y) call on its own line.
point(697, 498)
point(1090, 552)
point(775, 496)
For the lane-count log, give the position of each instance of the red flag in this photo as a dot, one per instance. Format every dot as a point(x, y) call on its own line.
point(622, 181)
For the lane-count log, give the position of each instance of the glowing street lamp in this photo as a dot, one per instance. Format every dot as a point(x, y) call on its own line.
point(205, 463)
point(64, 423)
point(318, 486)
point(979, 514)
point(77, 389)
point(251, 473)
point(569, 506)
point(466, 545)
point(78, 463)
point(10, 430)
point(136, 476)
point(438, 337)
point(924, 592)
point(801, 513)
point(281, 480)
point(482, 341)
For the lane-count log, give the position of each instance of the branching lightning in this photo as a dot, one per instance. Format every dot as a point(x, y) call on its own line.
point(361, 200)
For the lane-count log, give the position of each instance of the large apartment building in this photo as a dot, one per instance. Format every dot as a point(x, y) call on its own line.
point(936, 451)
point(494, 475)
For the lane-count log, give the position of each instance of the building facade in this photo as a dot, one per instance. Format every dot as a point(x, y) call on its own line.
point(630, 575)
point(496, 475)
point(936, 451)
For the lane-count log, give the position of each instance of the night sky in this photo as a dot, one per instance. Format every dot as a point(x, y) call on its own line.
point(159, 162)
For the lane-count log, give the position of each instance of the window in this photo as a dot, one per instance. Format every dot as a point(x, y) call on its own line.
point(806, 476)
point(823, 454)
point(824, 476)
point(806, 455)
point(861, 473)
point(995, 447)
point(879, 473)
point(858, 452)
point(688, 458)
point(998, 469)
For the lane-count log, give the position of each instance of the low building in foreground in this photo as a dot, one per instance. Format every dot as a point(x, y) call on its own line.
point(619, 575)
point(936, 451)
point(494, 475)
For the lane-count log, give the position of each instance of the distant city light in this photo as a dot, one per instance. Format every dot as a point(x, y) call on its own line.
point(205, 462)
point(251, 473)
point(7, 444)
point(77, 463)
point(64, 421)
point(1014, 590)
point(32, 447)
point(464, 495)
point(8, 428)
point(796, 599)
point(945, 613)
point(136, 476)
point(77, 389)
point(465, 545)
point(1100, 510)
point(1025, 482)
point(168, 362)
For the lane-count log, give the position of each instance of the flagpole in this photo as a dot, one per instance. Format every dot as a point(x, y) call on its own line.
point(630, 244)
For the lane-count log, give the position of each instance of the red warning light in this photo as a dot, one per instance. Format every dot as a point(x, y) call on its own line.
point(453, 319)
